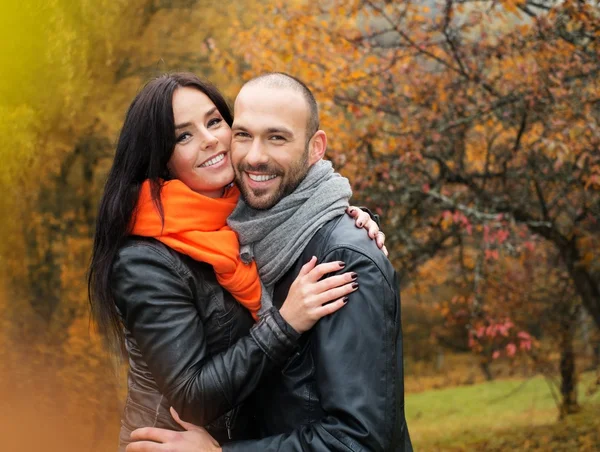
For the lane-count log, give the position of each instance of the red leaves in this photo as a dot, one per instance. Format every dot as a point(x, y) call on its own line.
point(525, 340)
point(492, 255)
point(456, 218)
point(497, 338)
point(511, 349)
point(504, 119)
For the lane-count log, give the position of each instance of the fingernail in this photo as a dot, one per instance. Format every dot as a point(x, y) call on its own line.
point(353, 276)
point(342, 264)
point(355, 285)
point(345, 299)
point(359, 224)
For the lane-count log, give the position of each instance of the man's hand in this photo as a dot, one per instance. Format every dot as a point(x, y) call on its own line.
point(194, 439)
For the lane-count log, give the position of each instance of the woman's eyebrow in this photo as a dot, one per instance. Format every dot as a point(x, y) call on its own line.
point(183, 125)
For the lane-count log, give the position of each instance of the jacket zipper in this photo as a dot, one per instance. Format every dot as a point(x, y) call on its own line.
point(228, 425)
point(229, 420)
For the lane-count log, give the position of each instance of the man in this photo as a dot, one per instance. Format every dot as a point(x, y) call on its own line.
point(343, 389)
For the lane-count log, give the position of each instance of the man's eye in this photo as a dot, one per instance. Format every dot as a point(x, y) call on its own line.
point(184, 136)
point(277, 138)
point(214, 121)
point(241, 135)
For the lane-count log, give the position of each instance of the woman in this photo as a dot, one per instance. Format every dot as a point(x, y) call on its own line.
point(166, 283)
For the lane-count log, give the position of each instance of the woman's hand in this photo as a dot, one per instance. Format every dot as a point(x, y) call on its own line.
point(363, 220)
point(311, 297)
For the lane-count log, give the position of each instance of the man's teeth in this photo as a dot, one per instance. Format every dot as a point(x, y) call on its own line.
point(261, 177)
point(213, 161)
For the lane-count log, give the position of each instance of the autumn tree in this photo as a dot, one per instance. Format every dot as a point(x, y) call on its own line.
point(472, 125)
point(63, 95)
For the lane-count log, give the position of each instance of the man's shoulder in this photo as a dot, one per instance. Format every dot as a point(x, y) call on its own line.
point(341, 234)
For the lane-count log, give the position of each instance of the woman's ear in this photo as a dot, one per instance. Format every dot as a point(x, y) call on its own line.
point(317, 147)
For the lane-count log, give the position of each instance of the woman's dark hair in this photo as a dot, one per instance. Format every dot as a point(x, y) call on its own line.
point(145, 146)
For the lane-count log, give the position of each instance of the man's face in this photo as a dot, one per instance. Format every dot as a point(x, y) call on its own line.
point(269, 148)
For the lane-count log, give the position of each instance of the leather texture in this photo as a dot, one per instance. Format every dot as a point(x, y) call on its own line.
point(191, 345)
point(343, 390)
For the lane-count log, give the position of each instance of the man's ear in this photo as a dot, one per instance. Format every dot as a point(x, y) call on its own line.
point(317, 147)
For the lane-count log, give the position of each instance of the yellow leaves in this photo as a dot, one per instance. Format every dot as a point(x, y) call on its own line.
point(371, 60)
point(511, 5)
point(443, 95)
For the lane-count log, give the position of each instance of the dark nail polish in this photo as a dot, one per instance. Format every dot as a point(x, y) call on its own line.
point(345, 299)
point(355, 285)
point(359, 224)
point(353, 276)
point(342, 264)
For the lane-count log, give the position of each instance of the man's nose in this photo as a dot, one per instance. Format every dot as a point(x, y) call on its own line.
point(256, 154)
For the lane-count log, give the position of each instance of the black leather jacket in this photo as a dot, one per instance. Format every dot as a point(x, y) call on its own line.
point(344, 388)
point(191, 345)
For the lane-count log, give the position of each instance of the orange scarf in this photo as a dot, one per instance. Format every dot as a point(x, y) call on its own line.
point(196, 225)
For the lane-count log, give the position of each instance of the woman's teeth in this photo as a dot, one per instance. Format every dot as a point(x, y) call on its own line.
point(261, 177)
point(213, 161)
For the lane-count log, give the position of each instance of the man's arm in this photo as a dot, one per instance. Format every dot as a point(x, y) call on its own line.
point(359, 381)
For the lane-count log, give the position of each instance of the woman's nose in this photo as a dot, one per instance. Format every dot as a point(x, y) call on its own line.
point(208, 140)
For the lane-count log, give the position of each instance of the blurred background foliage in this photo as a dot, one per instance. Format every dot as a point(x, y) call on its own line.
point(471, 126)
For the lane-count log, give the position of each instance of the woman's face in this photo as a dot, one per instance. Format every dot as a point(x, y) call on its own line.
point(201, 158)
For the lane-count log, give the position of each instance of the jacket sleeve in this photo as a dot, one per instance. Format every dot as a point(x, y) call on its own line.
point(356, 371)
point(158, 308)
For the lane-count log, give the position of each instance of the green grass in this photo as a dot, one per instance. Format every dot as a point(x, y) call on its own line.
point(454, 418)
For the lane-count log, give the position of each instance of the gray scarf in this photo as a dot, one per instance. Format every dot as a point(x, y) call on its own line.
point(276, 237)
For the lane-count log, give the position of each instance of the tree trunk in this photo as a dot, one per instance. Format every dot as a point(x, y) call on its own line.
point(568, 376)
point(484, 365)
point(589, 291)
point(586, 281)
point(586, 284)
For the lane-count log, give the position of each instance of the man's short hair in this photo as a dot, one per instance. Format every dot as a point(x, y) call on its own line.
point(283, 80)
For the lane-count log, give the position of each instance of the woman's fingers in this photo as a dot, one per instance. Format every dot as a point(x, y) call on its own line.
point(372, 228)
point(352, 211)
point(335, 293)
point(335, 281)
point(323, 269)
point(307, 268)
point(361, 218)
point(330, 308)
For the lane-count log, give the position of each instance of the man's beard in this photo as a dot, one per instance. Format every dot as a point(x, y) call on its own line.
point(289, 182)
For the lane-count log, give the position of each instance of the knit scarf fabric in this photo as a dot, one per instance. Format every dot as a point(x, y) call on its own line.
point(196, 225)
point(276, 237)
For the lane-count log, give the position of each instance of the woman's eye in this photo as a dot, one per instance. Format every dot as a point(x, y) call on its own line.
point(214, 121)
point(184, 136)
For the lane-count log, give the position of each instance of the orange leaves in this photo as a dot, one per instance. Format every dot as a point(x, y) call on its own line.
point(446, 122)
point(512, 6)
